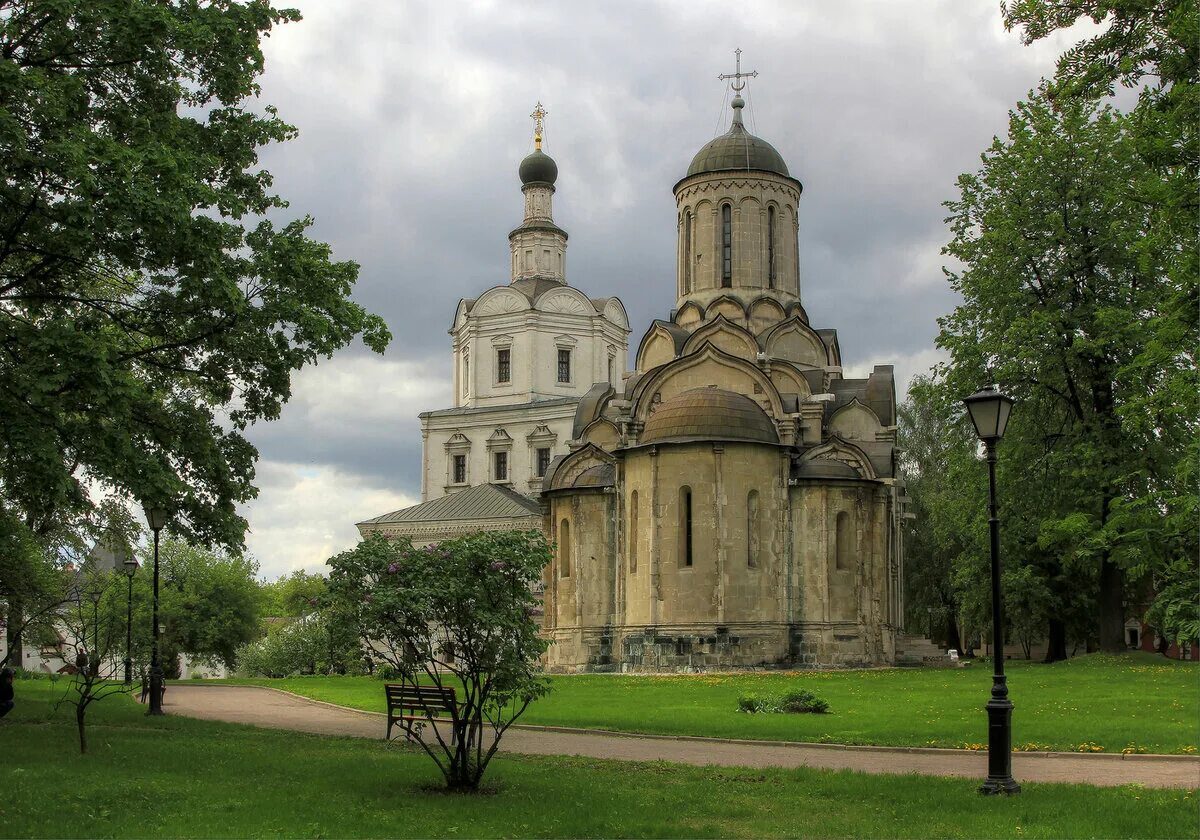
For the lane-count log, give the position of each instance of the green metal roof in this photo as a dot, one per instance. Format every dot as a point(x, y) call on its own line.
point(484, 501)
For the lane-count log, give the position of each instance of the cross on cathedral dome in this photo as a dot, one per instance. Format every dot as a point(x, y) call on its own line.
point(737, 149)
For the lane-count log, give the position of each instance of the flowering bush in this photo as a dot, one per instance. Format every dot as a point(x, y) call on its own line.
point(457, 615)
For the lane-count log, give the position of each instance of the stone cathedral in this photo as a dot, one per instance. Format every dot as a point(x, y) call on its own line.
point(733, 502)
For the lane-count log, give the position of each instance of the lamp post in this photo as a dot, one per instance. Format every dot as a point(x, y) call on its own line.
point(156, 517)
point(989, 410)
point(94, 594)
point(130, 565)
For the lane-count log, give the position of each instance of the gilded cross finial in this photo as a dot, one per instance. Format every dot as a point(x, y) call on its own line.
point(738, 75)
point(539, 116)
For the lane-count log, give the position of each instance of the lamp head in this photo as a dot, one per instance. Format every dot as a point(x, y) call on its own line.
point(989, 410)
point(94, 594)
point(156, 517)
point(131, 565)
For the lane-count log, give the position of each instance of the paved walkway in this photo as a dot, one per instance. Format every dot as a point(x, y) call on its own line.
point(281, 710)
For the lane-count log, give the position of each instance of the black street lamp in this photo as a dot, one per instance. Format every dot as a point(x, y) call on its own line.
point(131, 565)
point(156, 517)
point(94, 595)
point(989, 410)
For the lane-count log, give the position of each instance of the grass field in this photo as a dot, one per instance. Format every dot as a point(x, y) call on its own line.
point(1139, 702)
point(175, 777)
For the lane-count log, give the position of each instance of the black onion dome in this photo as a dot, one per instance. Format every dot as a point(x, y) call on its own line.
point(538, 167)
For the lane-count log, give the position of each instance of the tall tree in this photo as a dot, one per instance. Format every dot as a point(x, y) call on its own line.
point(1061, 303)
point(149, 311)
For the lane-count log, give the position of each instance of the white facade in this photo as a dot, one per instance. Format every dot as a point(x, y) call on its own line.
point(524, 355)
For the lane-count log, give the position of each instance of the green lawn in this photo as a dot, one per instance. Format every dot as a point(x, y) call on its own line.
point(176, 777)
point(1141, 702)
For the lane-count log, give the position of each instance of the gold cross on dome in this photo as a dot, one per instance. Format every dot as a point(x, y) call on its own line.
point(539, 116)
point(738, 84)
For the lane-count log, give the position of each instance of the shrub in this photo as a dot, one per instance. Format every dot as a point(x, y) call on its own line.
point(755, 703)
point(798, 702)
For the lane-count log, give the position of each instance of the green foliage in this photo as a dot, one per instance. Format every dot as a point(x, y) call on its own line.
point(802, 702)
point(314, 644)
point(1153, 47)
point(1060, 303)
point(209, 604)
point(293, 595)
point(150, 310)
point(1175, 612)
point(456, 614)
point(756, 703)
point(796, 701)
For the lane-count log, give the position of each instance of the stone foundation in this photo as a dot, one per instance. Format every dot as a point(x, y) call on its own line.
point(697, 648)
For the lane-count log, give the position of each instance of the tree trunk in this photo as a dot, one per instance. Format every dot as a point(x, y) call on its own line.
point(1056, 641)
point(80, 711)
point(1110, 608)
point(12, 656)
point(952, 638)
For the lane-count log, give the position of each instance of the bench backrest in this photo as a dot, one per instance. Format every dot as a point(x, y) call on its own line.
point(419, 696)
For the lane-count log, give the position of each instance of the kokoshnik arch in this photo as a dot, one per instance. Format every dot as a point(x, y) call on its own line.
point(733, 501)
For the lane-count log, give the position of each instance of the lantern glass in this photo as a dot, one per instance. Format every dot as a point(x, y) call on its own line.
point(156, 517)
point(131, 566)
point(989, 410)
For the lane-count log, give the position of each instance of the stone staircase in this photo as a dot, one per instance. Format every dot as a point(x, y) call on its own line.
point(914, 650)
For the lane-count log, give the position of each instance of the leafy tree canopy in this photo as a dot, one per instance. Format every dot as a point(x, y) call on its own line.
point(293, 595)
point(460, 615)
point(149, 309)
point(1064, 306)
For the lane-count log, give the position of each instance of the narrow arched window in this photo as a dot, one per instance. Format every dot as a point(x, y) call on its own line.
point(752, 529)
point(845, 543)
point(564, 549)
point(633, 531)
point(770, 247)
point(685, 526)
point(726, 246)
point(687, 252)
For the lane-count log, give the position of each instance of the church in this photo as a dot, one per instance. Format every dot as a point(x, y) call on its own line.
point(733, 501)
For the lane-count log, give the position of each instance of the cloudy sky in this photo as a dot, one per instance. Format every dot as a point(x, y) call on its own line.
point(413, 117)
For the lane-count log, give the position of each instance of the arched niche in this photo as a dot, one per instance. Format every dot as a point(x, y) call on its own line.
point(689, 315)
point(708, 366)
point(840, 451)
point(794, 341)
point(731, 308)
point(499, 300)
point(765, 313)
point(789, 380)
point(721, 333)
point(855, 421)
point(573, 466)
point(658, 347)
point(602, 433)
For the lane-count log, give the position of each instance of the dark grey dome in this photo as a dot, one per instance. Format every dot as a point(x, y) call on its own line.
point(538, 167)
point(709, 414)
point(737, 149)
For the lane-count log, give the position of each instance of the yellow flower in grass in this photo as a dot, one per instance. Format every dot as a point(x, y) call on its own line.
point(1088, 746)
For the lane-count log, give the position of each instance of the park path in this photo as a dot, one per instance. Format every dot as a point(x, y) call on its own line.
point(272, 708)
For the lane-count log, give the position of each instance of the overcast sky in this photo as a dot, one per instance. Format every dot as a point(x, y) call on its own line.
point(413, 117)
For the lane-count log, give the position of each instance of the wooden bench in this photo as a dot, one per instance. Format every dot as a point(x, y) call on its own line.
point(407, 705)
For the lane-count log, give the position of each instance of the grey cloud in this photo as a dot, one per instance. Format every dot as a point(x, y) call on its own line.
point(412, 121)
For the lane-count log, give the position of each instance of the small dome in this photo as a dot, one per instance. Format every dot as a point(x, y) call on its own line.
point(709, 414)
point(737, 149)
point(538, 167)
